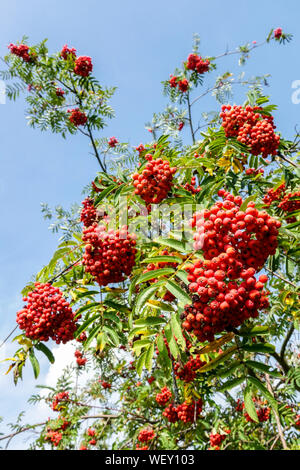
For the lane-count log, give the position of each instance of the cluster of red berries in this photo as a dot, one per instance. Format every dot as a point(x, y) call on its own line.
point(188, 371)
point(82, 337)
point(150, 380)
point(77, 117)
point(21, 50)
point(274, 194)
point(254, 171)
point(186, 412)
point(155, 181)
point(195, 62)
point(105, 384)
point(54, 436)
point(217, 439)
point(66, 51)
point(138, 447)
point(277, 33)
point(219, 303)
point(59, 92)
point(59, 400)
point(47, 315)
point(191, 187)
point(140, 148)
point(183, 84)
point(83, 66)
point(112, 142)
point(91, 433)
point(251, 234)
point(88, 215)
point(251, 128)
point(81, 361)
point(290, 203)
point(146, 435)
point(164, 396)
point(180, 125)
point(109, 254)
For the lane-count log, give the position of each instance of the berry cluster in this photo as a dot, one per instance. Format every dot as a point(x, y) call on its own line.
point(77, 117)
point(105, 384)
point(109, 254)
point(21, 50)
point(195, 62)
point(255, 171)
point(183, 84)
point(155, 181)
point(251, 128)
point(180, 125)
point(164, 396)
point(66, 52)
point(263, 413)
point(274, 194)
point(54, 436)
point(59, 400)
point(83, 66)
point(112, 142)
point(146, 435)
point(277, 33)
point(186, 412)
point(192, 186)
point(91, 432)
point(219, 303)
point(251, 235)
point(188, 371)
point(82, 337)
point(88, 215)
point(217, 439)
point(59, 92)
point(47, 315)
point(290, 203)
point(81, 361)
point(140, 148)
point(150, 380)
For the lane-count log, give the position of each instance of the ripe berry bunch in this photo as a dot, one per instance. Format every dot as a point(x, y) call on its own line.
point(83, 66)
point(170, 413)
point(263, 415)
point(77, 117)
point(290, 202)
point(219, 303)
point(47, 315)
point(254, 171)
point(164, 396)
point(250, 235)
point(59, 399)
point(251, 128)
point(112, 142)
point(109, 255)
point(140, 148)
point(88, 214)
point(150, 380)
point(81, 361)
point(183, 84)
point(155, 181)
point(189, 412)
point(217, 439)
point(104, 384)
point(21, 50)
point(195, 62)
point(277, 33)
point(54, 436)
point(192, 186)
point(146, 435)
point(67, 51)
point(141, 447)
point(91, 432)
point(82, 337)
point(274, 194)
point(188, 371)
point(59, 92)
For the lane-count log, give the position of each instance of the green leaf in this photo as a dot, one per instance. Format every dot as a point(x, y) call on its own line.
point(264, 391)
point(149, 357)
point(249, 405)
point(179, 293)
point(171, 342)
point(177, 331)
point(172, 243)
point(150, 321)
point(255, 331)
point(116, 306)
point(112, 335)
point(145, 295)
point(103, 194)
point(231, 383)
point(263, 368)
point(35, 363)
point(223, 373)
point(154, 274)
point(85, 324)
point(183, 276)
point(141, 362)
point(42, 347)
point(259, 348)
point(91, 336)
point(163, 259)
point(163, 352)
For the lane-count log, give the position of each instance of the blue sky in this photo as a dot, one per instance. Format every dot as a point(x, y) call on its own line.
point(134, 46)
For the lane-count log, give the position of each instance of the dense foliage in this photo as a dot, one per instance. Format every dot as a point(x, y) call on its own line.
point(178, 278)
